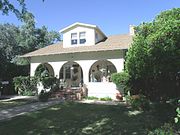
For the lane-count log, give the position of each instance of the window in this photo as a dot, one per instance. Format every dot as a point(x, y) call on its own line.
point(73, 38)
point(82, 37)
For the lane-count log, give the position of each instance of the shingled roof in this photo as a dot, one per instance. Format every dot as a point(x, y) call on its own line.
point(114, 42)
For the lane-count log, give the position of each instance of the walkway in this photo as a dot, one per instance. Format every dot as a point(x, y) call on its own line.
point(20, 110)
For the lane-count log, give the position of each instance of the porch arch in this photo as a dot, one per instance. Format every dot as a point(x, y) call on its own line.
point(101, 71)
point(71, 73)
point(44, 68)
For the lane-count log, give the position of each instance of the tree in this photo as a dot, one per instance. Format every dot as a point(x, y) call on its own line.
point(6, 6)
point(153, 60)
point(8, 40)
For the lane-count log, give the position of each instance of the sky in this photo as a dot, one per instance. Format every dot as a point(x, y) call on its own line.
point(111, 16)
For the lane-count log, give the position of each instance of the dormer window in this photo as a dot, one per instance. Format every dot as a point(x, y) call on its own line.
point(82, 37)
point(73, 38)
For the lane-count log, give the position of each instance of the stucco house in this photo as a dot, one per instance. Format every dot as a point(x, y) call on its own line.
point(85, 56)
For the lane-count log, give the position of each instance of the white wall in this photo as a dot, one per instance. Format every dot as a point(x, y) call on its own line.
point(102, 89)
point(90, 36)
point(85, 60)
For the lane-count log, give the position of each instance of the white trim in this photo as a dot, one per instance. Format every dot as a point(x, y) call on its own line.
point(81, 24)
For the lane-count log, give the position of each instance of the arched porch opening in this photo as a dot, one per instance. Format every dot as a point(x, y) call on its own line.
point(71, 74)
point(101, 71)
point(44, 70)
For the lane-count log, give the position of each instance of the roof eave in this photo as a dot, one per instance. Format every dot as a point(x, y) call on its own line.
point(76, 24)
point(100, 50)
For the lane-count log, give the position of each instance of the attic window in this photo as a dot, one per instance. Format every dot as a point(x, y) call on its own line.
point(73, 38)
point(82, 37)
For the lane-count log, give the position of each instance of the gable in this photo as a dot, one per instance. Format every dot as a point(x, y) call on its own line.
point(72, 35)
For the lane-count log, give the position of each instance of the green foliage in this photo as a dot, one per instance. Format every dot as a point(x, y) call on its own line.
point(96, 98)
point(166, 129)
point(42, 71)
point(121, 80)
point(44, 96)
point(139, 102)
point(152, 62)
point(25, 85)
point(15, 41)
point(177, 118)
point(8, 41)
point(7, 6)
point(91, 98)
point(106, 99)
point(48, 82)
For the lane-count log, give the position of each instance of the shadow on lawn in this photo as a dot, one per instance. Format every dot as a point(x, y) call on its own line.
point(77, 119)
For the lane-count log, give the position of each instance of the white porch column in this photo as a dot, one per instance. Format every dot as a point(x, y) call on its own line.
point(57, 67)
point(86, 65)
point(33, 68)
point(118, 63)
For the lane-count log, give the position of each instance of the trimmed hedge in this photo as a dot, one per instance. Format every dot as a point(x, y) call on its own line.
point(121, 81)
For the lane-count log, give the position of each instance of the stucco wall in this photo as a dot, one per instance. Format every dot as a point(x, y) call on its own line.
point(90, 36)
point(85, 60)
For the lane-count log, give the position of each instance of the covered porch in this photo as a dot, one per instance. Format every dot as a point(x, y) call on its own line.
point(92, 76)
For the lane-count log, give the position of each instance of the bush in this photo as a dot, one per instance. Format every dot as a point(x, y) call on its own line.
point(44, 96)
point(106, 99)
point(177, 118)
point(48, 82)
point(25, 85)
point(139, 102)
point(91, 98)
point(121, 80)
point(166, 129)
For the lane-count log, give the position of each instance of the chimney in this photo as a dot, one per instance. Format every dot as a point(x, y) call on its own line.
point(131, 30)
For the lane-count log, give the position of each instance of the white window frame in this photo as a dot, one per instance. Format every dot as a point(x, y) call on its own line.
point(74, 38)
point(82, 37)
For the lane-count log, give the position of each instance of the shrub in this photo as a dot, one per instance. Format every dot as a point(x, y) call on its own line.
point(178, 113)
point(28, 93)
point(25, 85)
point(91, 98)
point(139, 102)
point(48, 82)
point(106, 99)
point(121, 80)
point(166, 129)
point(44, 96)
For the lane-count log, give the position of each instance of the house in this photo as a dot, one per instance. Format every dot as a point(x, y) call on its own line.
point(86, 55)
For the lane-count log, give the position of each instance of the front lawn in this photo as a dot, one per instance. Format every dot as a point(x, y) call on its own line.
point(90, 119)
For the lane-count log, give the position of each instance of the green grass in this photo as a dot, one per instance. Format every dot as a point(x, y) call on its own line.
point(13, 103)
point(87, 119)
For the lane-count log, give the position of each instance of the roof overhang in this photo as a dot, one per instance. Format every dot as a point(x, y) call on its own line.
point(83, 25)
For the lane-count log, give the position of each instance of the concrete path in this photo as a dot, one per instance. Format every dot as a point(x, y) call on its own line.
point(20, 110)
point(15, 97)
